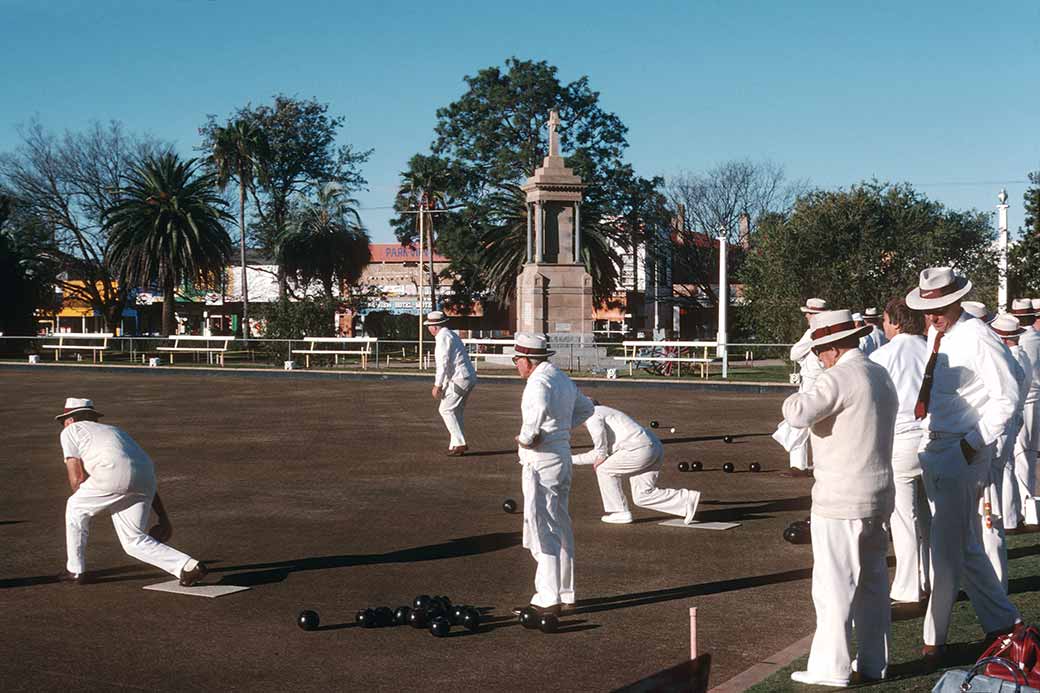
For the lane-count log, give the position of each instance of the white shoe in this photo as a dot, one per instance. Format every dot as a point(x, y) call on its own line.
point(807, 678)
point(695, 498)
point(622, 518)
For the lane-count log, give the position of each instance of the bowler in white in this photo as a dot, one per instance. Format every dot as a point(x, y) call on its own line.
point(454, 381)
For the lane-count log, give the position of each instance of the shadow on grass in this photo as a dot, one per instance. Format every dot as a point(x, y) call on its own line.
point(664, 441)
point(11, 522)
point(137, 571)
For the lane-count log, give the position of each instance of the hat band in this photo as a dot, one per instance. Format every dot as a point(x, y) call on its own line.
point(828, 330)
point(941, 291)
point(1023, 311)
point(530, 350)
point(1006, 333)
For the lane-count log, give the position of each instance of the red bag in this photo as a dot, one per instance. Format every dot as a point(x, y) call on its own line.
point(1022, 648)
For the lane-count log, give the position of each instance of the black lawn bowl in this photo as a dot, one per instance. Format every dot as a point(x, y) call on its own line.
point(509, 505)
point(728, 467)
point(754, 467)
point(684, 466)
point(548, 623)
point(530, 618)
point(308, 620)
point(440, 627)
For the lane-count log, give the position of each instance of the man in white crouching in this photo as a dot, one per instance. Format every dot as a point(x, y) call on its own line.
point(622, 449)
point(110, 473)
point(851, 414)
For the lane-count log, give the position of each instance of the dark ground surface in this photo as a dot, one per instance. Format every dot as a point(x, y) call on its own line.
point(335, 495)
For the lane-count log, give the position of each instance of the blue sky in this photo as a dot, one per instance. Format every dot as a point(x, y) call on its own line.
point(944, 95)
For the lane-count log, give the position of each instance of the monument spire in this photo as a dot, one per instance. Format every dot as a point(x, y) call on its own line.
point(554, 137)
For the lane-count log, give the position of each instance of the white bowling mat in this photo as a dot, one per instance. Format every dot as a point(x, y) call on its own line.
point(699, 525)
point(211, 591)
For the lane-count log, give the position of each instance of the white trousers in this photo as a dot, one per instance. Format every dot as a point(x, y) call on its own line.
point(547, 523)
point(958, 560)
point(130, 513)
point(909, 523)
point(849, 587)
point(641, 468)
point(1010, 493)
point(452, 409)
point(1026, 445)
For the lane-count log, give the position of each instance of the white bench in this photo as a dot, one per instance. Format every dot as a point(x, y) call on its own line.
point(326, 346)
point(475, 354)
point(198, 344)
point(73, 341)
point(631, 351)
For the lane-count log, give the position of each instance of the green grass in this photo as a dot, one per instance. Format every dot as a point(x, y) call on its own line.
point(905, 673)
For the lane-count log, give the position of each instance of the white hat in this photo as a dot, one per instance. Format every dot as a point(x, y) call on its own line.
point(938, 287)
point(435, 317)
point(1035, 303)
point(871, 314)
point(976, 309)
point(74, 405)
point(814, 305)
point(857, 317)
point(833, 326)
point(1023, 308)
point(1006, 325)
point(528, 344)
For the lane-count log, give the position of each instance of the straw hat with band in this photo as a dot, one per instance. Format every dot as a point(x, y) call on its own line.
point(532, 345)
point(938, 288)
point(1006, 326)
point(814, 305)
point(75, 405)
point(434, 318)
point(1023, 308)
point(833, 326)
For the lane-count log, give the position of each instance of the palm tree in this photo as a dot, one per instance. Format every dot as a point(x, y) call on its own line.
point(325, 241)
point(504, 245)
point(167, 227)
point(237, 149)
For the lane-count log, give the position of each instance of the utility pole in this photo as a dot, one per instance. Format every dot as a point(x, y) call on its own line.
point(1002, 245)
point(423, 212)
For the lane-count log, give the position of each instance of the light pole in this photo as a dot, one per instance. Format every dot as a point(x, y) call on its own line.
point(1002, 245)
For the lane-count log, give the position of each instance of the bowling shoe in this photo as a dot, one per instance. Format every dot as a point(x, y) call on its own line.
point(622, 518)
point(74, 578)
point(190, 577)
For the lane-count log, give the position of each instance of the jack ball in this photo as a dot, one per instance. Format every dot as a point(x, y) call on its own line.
point(728, 467)
point(754, 467)
point(684, 466)
point(308, 620)
point(440, 627)
point(548, 623)
point(671, 430)
point(509, 505)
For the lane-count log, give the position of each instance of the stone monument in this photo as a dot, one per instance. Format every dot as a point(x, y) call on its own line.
point(554, 292)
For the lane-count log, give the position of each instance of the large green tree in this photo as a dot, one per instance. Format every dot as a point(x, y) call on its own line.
point(1024, 256)
point(27, 268)
point(167, 228)
point(493, 137)
point(237, 150)
point(856, 248)
point(325, 242)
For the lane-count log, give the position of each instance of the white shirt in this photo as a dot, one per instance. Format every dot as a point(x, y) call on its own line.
point(612, 431)
point(974, 390)
point(1029, 342)
point(905, 358)
point(851, 415)
point(872, 341)
point(551, 406)
point(110, 456)
point(809, 365)
point(453, 364)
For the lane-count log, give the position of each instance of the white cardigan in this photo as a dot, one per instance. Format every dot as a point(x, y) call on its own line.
point(851, 414)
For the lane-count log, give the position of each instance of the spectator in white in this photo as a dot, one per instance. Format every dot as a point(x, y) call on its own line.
point(1028, 441)
point(796, 440)
point(994, 506)
point(968, 396)
point(851, 414)
point(975, 309)
point(454, 381)
point(110, 473)
point(622, 449)
point(551, 406)
point(904, 357)
point(872, 317)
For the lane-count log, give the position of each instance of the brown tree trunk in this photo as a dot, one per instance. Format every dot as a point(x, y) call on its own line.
point(169, 326)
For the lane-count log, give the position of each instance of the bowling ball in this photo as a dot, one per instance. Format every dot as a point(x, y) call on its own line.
point(401, 615)
point(684, 466)
point(728, 467)
point(548, 623)
point(368, 619)
point(696, 466)
point(417, 618)
point(435, 610)
point(456, 614)
point(798, 534)
point(308, 620)
point(727, 439)
point(359, 616)
point(440, 626)
point(530, 618)
point(471, 620)
point(800, 525)
point(509, 505)
point(421, 602)
point(654, 424)
point(754, 467)
point(384, 616)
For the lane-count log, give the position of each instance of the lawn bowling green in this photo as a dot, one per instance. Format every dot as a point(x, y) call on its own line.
point(334, 495)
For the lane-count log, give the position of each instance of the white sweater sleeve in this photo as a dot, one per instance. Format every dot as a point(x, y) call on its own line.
point(803, 409)
point(993, 366)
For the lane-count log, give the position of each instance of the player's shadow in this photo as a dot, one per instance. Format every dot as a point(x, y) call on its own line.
point(746, 510)
point(11, 522)
point(705, 439)
point(117, 574)
point(249, 575)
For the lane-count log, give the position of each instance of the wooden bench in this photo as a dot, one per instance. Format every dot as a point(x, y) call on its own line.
point(475, 354)
point(198, 344)
point(326, 346)
point(632, 355)
point(67, 341)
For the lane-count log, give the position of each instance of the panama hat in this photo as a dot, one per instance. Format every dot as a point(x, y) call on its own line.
point(814, 305)
point(74, 405)
point(1023, 308)
point(871, 315)
point(1006, 326)
point(938, 287)
point(976, 309)
point(833, 326)
point(536, 345)
point(435, 317)
point(1035, 302)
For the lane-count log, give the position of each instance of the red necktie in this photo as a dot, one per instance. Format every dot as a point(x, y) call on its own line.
point(921, 408)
